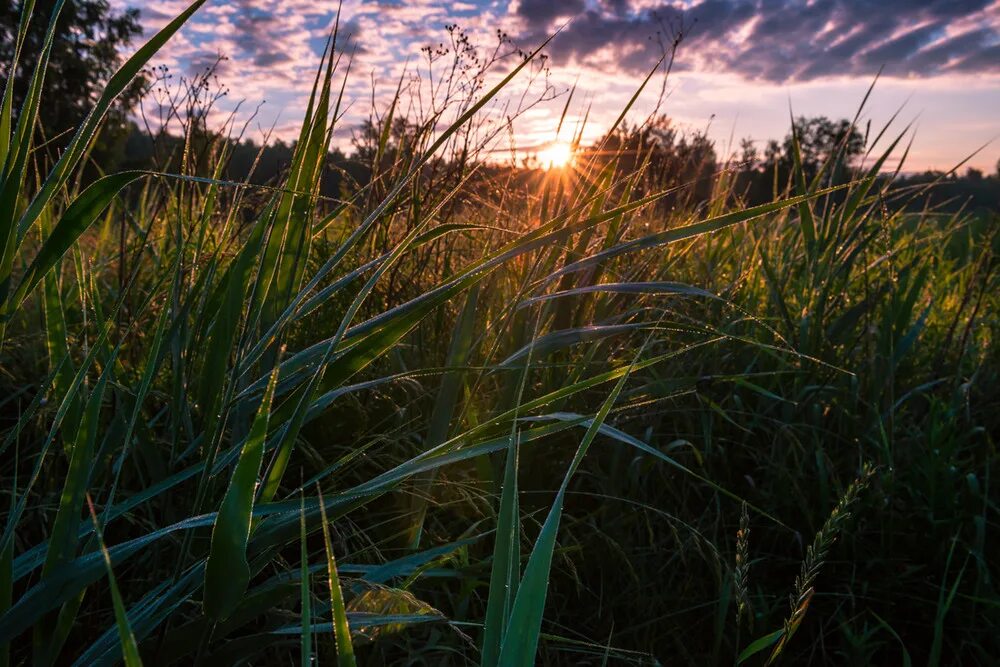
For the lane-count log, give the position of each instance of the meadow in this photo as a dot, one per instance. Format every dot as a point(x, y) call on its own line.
point(465, 414)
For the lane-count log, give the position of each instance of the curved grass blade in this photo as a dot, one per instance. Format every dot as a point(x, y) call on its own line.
point(130, 650)
point(557, 340)
point(708, 226)
point(621, 436)
point(68, 580)
point(386, 329)
point(17, 152)
point(115, 86)
point(227, 572)
point(520, 641)
point(359, 621)
point(306, 623)
point(759, 645)
point(84, 210)
point(444, 404)
point(342, 632)
point(657, 287)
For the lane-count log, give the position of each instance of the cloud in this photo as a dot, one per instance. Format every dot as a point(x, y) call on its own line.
point(740, 59)
point(544, 11)
point(777, 41)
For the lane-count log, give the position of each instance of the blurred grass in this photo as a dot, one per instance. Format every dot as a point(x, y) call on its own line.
point(257, 385)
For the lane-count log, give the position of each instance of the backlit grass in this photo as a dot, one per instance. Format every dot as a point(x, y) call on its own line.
point(467, 414)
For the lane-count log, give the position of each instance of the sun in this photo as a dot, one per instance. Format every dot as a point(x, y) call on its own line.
point(556, 155)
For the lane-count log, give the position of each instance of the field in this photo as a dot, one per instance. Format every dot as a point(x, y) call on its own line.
point(463, 414)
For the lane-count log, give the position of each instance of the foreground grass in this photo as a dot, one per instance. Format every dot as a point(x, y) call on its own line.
point(432, 423)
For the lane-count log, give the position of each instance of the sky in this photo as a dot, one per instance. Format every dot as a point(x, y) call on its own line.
point(741, 67)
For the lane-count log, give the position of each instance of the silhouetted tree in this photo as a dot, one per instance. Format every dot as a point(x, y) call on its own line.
point(821, 140)
point(675, 158)
point(85, 53)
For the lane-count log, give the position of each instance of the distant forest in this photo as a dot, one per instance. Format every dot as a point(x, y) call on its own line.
point(687, 161)
point(91, 35)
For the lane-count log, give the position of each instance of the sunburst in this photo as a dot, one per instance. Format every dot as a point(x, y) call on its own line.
point(557, 155)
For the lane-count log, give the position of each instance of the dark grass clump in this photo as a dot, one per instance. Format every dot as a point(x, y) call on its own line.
point(469, 412)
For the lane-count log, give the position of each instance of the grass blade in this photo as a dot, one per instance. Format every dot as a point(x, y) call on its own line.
point(342, 632)
point(520, 641)
point(130, 650)
point(84, 210)
point(306, 594)
point(115, 86)
point(227, 572)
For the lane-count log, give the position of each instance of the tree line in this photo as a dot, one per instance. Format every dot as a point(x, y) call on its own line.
point(90, 35)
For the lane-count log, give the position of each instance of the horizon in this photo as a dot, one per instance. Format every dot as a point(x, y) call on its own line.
point(939, 69)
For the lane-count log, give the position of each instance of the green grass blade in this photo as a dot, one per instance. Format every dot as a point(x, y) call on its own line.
point(520, 641)
point(506, 569)
point(759, 645)
point(227, 572)
point(150, 369)
point(806, 221)
point(306, 594)
point(56, 335)
point(130, 650)
point(115, 86)
point(383, 331)
point(84, 210)
point(445, 402)
point(65, 528)
point(64, 406)
point(650, 287)
point(345, 366)
point(946, 597)
point(689, 231)
point(558, 340)
point(14, 169)
point(7, 102)
point(67, 581)
point(342, 632)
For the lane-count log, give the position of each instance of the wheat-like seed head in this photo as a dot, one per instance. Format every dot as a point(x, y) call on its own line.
point(741, 573)
point(816, 555)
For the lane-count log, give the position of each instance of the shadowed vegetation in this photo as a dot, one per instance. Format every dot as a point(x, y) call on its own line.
point(625, 411)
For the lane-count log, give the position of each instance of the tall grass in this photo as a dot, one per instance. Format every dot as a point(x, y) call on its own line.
point(506, 420)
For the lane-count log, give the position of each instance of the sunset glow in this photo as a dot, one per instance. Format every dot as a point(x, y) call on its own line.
point(556, 156)
point(938, 61)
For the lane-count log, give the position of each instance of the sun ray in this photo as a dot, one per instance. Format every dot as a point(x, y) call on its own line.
point(557, 155)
